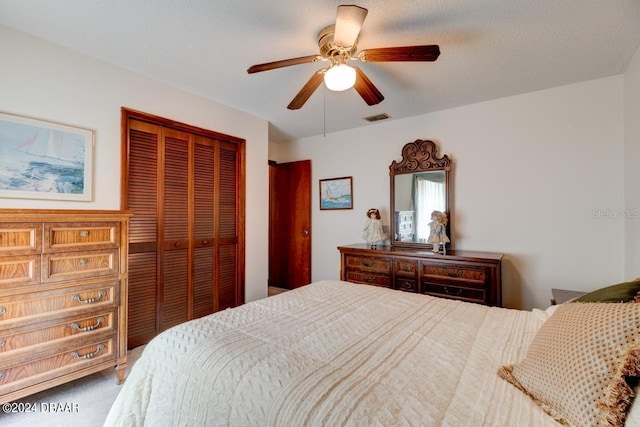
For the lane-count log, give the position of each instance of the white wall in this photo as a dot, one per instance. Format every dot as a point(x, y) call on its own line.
point(632, 167)
point(535, 177)
point(45, 81)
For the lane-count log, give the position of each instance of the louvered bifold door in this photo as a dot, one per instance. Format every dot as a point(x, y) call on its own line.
point(184, 188)
point(143, 236)
point(203, 227)
point(175, 263)
point(227, 233)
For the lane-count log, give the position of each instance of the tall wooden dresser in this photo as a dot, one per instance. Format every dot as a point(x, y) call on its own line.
point(464, 275)
point(63, 297)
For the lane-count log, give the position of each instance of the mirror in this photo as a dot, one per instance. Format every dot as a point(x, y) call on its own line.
point(419, 186)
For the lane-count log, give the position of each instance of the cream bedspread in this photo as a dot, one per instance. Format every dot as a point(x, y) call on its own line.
point(335, 353)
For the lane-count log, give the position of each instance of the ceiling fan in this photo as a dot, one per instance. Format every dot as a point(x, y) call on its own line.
point(338, 44)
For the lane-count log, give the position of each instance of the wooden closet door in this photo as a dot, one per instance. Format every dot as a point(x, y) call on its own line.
point(228, 293)
point(204, 227)
point(186, 240)
point(174, 233)
point(142, 189)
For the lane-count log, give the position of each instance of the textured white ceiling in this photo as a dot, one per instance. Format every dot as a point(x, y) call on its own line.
point(490, 49)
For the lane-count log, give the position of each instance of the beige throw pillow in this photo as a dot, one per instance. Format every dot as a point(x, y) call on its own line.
point(576, 365)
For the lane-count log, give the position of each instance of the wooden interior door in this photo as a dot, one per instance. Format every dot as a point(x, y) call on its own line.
point(290, 224)
point(186, 252)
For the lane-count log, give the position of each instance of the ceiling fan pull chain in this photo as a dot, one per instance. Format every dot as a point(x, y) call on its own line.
point(324, 112)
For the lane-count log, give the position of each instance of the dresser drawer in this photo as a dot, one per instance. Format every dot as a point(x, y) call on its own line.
point(21, 270)
point(55, 361)
point(405, 267)
point(405, 227)
point(20, 238)
point(369, 278)
point(404, 216)
point(406, 284)
point(19, 308)
point(81, 236)
point(78, 265)
point(370, 264)
point(449, 291)
point(61, 328)
point(475, 276)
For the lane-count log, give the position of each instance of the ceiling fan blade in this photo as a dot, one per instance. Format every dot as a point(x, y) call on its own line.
point(404, 53)
point(283, 63)
point(366, 89)
point(307, 90)
point(349, 21)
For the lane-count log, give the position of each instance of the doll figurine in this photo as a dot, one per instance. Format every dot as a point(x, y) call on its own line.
point(372, 231)
point(438, 232)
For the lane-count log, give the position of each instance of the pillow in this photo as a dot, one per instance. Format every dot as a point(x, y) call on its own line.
point(552, 309)
point(576, 365)
point(540, 314)
point(545, 314)
point(622, 292)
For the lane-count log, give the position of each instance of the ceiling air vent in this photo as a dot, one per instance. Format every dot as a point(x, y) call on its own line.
point(377, 117)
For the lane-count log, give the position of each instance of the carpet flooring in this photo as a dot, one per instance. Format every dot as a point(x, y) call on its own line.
point(81, 403)
point(275, 291)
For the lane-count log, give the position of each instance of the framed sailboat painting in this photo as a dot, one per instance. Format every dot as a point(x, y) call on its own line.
point(336, 193)
point(44, 160)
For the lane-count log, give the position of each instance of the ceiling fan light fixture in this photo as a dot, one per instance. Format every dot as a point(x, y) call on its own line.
point(340, 77)
point(338, 43)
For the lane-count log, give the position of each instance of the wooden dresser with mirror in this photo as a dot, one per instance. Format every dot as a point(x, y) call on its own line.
point(420, 184)
point(63, 297)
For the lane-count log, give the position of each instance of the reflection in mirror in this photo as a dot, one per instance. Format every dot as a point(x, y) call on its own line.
point(416, 196)
point(419, 186)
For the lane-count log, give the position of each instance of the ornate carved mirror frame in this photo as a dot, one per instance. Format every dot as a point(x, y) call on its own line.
point(410, 212)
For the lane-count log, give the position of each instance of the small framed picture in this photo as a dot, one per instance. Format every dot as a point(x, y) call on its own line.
point(336, 193)
point(40, 159)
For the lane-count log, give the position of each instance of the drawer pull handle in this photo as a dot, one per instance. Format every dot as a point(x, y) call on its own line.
point(2, 343)
point(77, 355)
point(177, 244)
point(3, 310)
point(368, 263)
point(406, 285)
point(84, 233)
point(82, 261)
point(456, 273)
point(101, 295)
point(205, 242)
point(370, 279)
point(454, 292)
point(100, 321)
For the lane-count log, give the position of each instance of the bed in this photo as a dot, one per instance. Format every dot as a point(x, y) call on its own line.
point(334, 353)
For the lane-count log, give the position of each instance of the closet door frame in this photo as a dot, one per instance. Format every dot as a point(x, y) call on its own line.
point(129, 114)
